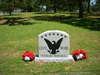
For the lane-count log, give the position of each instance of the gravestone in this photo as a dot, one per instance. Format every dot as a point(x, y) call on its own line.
point(54, 46)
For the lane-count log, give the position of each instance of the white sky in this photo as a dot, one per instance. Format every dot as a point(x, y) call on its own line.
point(93, 2)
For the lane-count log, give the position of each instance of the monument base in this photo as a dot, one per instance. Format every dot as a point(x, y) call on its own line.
point(54, 59)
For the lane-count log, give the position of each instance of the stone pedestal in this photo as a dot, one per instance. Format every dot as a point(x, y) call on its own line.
point(54, 59)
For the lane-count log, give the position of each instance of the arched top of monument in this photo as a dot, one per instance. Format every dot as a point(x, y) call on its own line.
point(53, 32)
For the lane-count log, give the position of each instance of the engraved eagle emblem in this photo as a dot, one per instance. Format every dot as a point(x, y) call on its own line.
point(53, 46)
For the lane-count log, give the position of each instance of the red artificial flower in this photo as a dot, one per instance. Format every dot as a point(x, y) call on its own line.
point(28, 54)
point(84, 53)
point(76, 53)
point(84, 57)
point(79, 55)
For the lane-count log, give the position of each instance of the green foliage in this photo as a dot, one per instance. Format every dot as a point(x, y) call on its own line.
point(25, 5)
point(7, 6)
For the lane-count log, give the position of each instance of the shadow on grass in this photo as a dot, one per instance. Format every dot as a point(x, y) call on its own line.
point(16, 21)
point(89, 23)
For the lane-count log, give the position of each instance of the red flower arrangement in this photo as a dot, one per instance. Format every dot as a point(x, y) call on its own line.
point(79, 55)
point(28, 56)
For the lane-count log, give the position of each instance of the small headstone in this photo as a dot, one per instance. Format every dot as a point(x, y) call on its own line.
point(54, 46)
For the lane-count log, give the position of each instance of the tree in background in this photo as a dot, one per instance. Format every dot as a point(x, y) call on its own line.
point(28, 5)
point(7, 6)
point(48, 5)
point(10, 5)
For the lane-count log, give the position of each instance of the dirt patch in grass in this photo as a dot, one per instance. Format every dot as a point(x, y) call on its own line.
point(67, 67)
point(16, 54)
point(2, 21)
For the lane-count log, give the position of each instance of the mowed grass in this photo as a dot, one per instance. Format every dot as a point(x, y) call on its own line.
point(16, 39)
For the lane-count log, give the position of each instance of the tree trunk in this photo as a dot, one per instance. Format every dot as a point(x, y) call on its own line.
point(88, 9)
point(80, 8)
point(10, 13)
point(55, 6)
point(55, 10)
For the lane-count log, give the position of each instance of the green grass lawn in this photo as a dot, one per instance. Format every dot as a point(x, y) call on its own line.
point(22, 36)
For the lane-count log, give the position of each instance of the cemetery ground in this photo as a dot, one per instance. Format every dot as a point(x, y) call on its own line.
point(19, 33)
